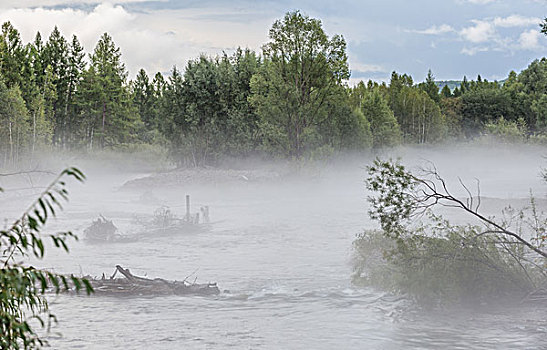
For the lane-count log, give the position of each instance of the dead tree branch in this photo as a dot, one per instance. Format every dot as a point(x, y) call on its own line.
point(431, 196)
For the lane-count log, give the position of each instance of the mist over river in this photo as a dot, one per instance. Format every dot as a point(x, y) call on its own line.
point(280, 252)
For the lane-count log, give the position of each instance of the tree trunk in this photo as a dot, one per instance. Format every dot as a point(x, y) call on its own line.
point(91, 139)
point(10, 144)
point(33, 133)
point(104, 118)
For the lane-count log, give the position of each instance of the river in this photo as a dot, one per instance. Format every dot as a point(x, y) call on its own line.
point(281, 254)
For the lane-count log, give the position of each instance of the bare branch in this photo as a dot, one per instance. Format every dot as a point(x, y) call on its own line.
point(27, 172)
point(478, 194)
point(470, 198)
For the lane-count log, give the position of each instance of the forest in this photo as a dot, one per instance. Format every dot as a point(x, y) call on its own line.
point(291, 100)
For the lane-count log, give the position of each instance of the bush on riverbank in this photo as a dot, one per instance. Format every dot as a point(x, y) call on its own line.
point(424, 256)
point(454, 266)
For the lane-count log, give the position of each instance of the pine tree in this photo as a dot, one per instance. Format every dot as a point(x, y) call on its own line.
point(431, 88)
point(74, 77)
point(12, 56)
point(143, 97)
point(445, 92)
point(464, 86)
point(105, 100)
point(14, 124)
point(56, 58)
point(36, 56)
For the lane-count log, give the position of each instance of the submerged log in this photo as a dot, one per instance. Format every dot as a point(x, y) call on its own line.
point(103, 230)
point(135, 285)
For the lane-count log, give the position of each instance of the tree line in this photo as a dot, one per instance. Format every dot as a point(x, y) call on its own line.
point(291, 100)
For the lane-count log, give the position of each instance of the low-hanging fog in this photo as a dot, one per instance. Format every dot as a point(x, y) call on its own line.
point(280, 249)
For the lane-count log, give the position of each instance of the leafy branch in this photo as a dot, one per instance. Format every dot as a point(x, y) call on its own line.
point(402, 196)
point(22, 287)
point(435, 261)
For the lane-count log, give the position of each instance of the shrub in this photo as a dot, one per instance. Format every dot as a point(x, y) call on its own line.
point(424, 256)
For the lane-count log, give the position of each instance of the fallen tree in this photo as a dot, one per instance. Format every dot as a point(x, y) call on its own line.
point(130, 284)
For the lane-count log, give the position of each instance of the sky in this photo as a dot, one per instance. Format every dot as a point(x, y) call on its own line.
point(453, 38)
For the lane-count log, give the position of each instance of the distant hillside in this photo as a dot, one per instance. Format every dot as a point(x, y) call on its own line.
point(452, 84)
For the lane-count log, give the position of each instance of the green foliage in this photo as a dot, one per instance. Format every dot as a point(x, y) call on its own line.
point(451, 108)
point(430, 87)
point(207, 109)
point(357, 131)
point(292, 102)
point(383, 125)
point(23, 287)
point(533, 82)
point(506, 131)
point(422, 255)
point(12, 56)
point(344, 128)
point(55, 58)
point(106, 105)
point(301, 73)
point(144, 98)
point(539, 108)
point(419, 116)
point(443, 264)
point(464, 86)
point(445, 92)
point(481, 105)
point(14, 124)
point(394, 203)
point(74, 76)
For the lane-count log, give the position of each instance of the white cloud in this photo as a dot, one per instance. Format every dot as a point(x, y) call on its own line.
point(516, 21)
point(480, 32)
point(49, 3)
point(435, 30)
point(366, 68)
point(472, 51)
point(154, 41)
point(480, 2)
point(529, 40)
point(485, 34)
point(87, 25)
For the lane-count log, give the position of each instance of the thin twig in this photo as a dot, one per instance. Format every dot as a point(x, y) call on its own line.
point(190, 275)
point(27, 172)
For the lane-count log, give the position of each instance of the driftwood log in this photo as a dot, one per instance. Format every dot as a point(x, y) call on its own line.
point(135, 285)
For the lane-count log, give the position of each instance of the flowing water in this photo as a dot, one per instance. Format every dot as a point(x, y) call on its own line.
point(281, 253)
